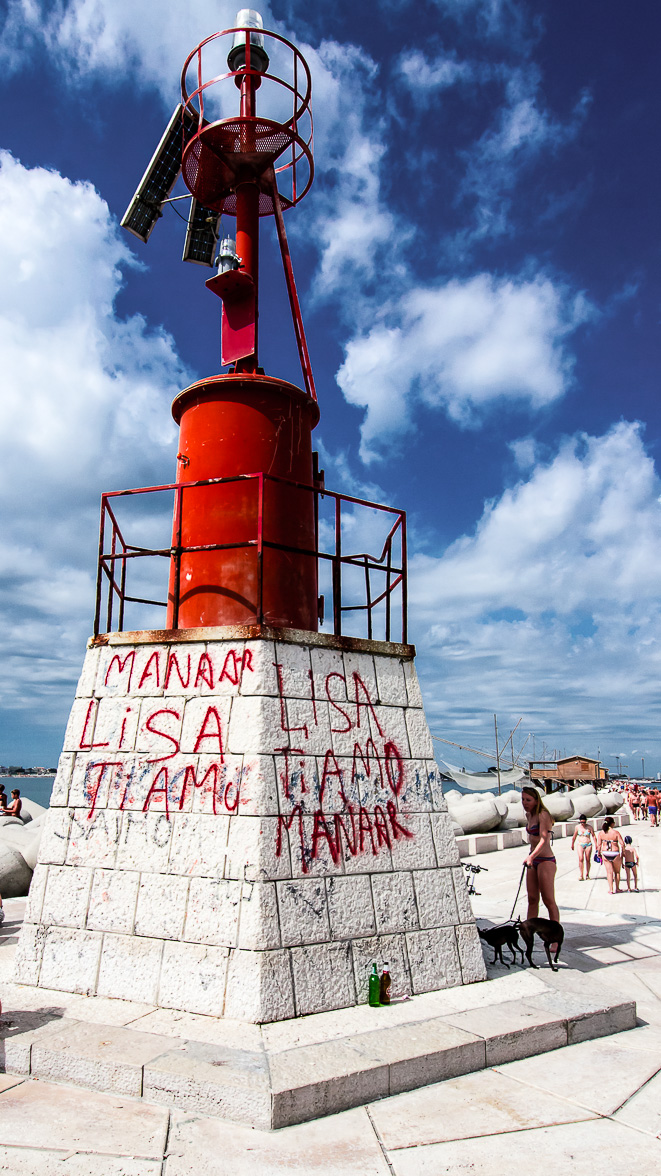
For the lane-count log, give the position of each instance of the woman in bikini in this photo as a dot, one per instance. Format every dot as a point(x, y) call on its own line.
point(584, 834)
point(608, 845)
point(541, 863)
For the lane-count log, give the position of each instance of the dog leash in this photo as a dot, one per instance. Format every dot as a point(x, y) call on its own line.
point(518, 891)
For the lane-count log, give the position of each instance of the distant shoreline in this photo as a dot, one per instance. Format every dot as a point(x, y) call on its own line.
point(29, 776)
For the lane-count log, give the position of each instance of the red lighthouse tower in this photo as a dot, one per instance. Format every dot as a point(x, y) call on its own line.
point(247, 811)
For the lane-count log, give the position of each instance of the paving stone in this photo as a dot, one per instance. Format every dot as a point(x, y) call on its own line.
point(178, 1025)
point(517, 1031)
point(643, 1109)
point(565, 1148)
point(9, 1080)
point(323, 1079)
point(212, 1080)
point(20, 1029)
point(28, 1161)
point(100, 1057)
point(341, 1145)
point(52, 1116)
point(479, 1104)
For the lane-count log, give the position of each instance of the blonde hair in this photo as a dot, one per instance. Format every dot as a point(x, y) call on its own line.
point(540, 807)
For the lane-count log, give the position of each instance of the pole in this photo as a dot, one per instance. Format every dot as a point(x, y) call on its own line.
point(495, 723)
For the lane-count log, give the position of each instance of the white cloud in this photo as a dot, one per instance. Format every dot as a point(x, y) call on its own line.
point(522, 130)
point(84, 408)
point(550, 609)
point(460, 347)
point(422, 75)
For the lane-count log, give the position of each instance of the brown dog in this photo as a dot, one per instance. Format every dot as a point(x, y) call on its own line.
point(498, 938)
point(549, 932)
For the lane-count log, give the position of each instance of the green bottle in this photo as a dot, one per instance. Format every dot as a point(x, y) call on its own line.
point(375, 987)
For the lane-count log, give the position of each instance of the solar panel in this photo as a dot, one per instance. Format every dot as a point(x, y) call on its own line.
point(160, 176)
point(201, 234)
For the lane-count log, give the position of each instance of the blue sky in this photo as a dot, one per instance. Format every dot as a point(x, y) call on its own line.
point(478, 263)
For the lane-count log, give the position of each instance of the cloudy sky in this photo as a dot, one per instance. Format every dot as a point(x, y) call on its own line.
point(478, 263)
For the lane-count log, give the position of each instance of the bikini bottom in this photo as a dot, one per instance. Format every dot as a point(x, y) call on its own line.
point(536, 861)
point(610, 857)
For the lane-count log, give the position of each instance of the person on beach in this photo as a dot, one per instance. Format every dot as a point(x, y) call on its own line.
point(652, 806)
point(584, 835)
point(608, 846)
point(14, 809)
point(643, 805)
point(634, 803)
point(541, 863)
point(631, 861)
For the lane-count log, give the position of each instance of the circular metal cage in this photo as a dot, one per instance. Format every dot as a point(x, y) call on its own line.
point(222, 148)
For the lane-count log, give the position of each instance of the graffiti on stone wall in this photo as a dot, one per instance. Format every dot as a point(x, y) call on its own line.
point(340, 769)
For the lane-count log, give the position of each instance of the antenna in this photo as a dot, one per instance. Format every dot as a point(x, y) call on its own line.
point(160, 177)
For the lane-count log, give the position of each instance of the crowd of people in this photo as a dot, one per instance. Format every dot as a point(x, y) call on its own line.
point(644, 802)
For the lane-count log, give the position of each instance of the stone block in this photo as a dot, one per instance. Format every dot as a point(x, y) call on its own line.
point(259, 924)
point(394, 903)
point(79, 731)
point(308, 726)
point(444, 839)
point(461, 893)
point(116, 726)
point(310, 840)
point(471, 956)
point(130, 968)
point(193, 978)
point(418, 786)
point(420, 740)
point(212, 1080)
point(435, 896)
point(350, 906)
point(70, 960)
point(329, 675)
point(299, 781)
point(259, 673)
point(59, 796)
point(87, 680)
point(199, 845)
point(205, 727)
point(390, 681)
point(161, 908)
point(252, 849)
point(294, 670)
point(99, 1057)
point(29, 953)
point(303, 911)
point(518, 1031)
point(36, 894)
point(259, 986)
point(434, 959)
point(144, 842)
point(389, 949)
point(412, 684)
point(416, 852)
point(212, 915)
point(259, 788)
point(113, 900)
point(188, 671)
point(419, 1054)
point(362, 665)
point(55, 836)
point(324, 1079)
point(364, 845)
point(323, 977)
point(22, 1031)
point(258, 725)
point(117, 669)
point(67, 896)
point(93, 841)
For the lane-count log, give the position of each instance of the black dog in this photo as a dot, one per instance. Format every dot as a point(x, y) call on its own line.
point(549, 932)
point(498, 938)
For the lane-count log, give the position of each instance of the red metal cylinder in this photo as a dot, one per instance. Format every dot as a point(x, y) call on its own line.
point(233, 425)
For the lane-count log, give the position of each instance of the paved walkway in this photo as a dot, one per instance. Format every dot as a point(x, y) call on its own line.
point(576, 1109)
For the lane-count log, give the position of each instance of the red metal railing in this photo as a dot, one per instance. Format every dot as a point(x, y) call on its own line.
point(389, 565)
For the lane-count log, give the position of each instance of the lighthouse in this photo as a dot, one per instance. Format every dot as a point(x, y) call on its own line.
point(247, 813)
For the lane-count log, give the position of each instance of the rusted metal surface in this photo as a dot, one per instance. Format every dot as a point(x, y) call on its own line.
point(116, 556)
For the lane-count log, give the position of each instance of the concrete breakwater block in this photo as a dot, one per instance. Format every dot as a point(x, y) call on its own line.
point(289, 1072)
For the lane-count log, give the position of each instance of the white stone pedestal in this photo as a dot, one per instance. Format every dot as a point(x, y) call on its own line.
point(242, 821)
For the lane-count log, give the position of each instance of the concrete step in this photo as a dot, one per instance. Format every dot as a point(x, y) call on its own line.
point(302, 1069)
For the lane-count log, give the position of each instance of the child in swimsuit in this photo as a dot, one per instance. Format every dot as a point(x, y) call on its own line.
point(584, 835)
point(608, 846)
point(631, 862)
point(541, 863)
